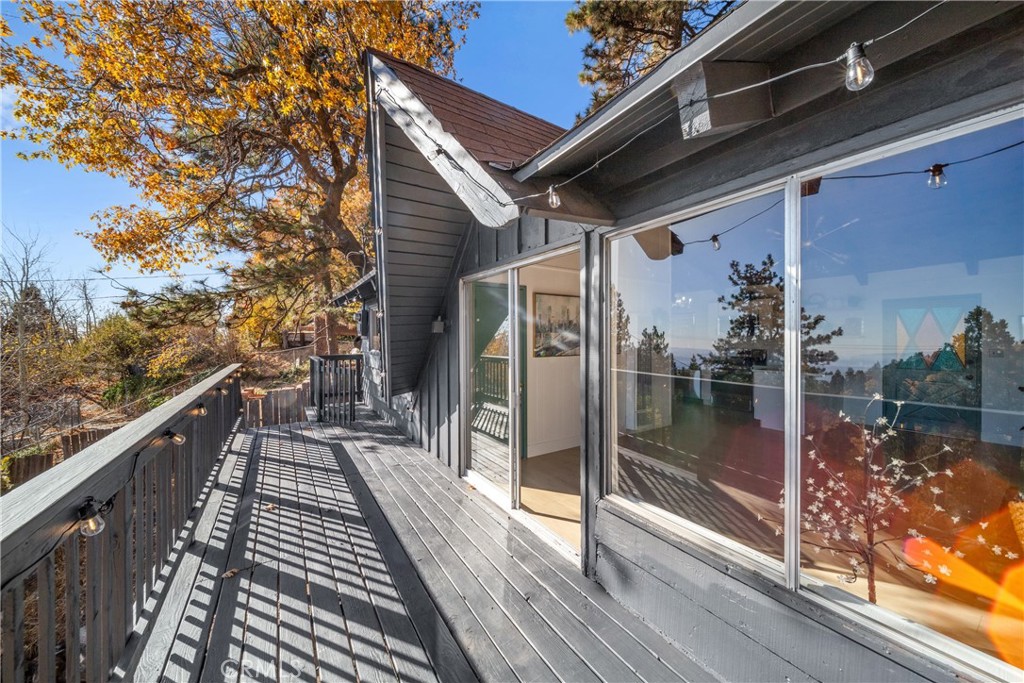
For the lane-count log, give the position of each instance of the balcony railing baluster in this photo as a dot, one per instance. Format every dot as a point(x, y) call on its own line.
point(146, 487)
point(336, 386)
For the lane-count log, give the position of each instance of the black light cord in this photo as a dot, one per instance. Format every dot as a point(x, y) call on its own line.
point(892, 174)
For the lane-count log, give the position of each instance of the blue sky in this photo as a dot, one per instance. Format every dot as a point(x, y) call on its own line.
point(517, 52)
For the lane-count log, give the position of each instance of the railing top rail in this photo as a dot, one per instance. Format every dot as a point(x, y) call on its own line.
point(42, 509)
point(339, 356)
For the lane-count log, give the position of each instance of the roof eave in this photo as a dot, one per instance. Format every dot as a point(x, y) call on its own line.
point(483, 196)
point(652, 83)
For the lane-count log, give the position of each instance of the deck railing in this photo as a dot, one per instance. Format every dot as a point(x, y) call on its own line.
point(74, 605)
point(336, 386)
point(491, 379)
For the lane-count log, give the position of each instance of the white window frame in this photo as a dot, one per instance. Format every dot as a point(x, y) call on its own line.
point(895, 628)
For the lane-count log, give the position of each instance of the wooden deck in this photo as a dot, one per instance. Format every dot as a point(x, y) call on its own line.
point(360, 558)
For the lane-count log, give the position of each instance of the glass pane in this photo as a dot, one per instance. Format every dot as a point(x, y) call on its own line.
point(489, 379)
point(913, 367)
point(697, 355)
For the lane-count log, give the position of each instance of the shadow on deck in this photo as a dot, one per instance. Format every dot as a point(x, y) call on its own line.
point(345, 553)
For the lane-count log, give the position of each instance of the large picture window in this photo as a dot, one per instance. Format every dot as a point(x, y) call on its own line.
point(697, 338)
point(909, 409)
point(911, 456)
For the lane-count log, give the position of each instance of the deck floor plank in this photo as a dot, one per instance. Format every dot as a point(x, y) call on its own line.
point(642, 650)
point(407, 654)
point(308, 595)
point(224, 645)
point(447, 657)
point(485, 656)
point(614, 642)
point(500, 614)
point(334, 661)
point(295, 625)
point(261, 644)
point(528, 603)
point(360, 558)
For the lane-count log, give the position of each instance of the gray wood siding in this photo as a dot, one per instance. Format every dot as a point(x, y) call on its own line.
point(428, 410)
point(424, 223)
point(741, 626)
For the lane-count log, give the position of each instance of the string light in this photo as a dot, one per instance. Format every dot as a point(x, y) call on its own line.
point(936, 174)
point(175, 437)
point(859, 72)
point(90, 517)
point(554, 201)
point(936, 178)
point(223, 391)
point(201, 410)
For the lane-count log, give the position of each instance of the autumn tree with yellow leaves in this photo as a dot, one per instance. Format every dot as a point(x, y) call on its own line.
point(240, 124)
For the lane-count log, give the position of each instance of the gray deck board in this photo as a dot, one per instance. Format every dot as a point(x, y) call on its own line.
point(527, 604)
point(407, 655)
point(360, 558)
point(312, 598)
point(641, 649)
point(566, 619)
point(500, 615)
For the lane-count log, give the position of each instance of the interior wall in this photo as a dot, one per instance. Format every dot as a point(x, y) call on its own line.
point(552, 383)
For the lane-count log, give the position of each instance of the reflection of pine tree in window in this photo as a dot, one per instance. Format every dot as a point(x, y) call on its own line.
point(756, 333)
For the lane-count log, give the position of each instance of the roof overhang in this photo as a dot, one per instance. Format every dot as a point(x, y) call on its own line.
point(489, 203)
point(758, 40)
point(658, 81)
point(491, 192)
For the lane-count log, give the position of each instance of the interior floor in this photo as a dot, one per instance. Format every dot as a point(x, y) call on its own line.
point(550, 492)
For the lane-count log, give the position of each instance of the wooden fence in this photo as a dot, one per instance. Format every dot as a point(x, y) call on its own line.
point(26, 467)
point(276, 406)
point(57, 584)
point(80, 439)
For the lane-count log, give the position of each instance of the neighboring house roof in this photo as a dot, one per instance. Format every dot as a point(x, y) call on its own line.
point(361, 290)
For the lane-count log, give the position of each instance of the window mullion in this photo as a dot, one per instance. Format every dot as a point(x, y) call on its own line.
point(793, 395)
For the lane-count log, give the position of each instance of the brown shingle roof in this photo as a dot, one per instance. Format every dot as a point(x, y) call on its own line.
point(489, 130)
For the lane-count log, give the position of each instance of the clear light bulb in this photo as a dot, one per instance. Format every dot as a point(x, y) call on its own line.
point(175, 437)
point(201, 410)
point(554, 201)
point(716, 243)
point(859, 72)
point(91, 523)
point(936, 177)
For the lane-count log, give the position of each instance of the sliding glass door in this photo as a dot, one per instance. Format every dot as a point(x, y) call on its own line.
point(491, 352)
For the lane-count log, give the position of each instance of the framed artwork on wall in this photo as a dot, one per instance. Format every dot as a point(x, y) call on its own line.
point(556, 327)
